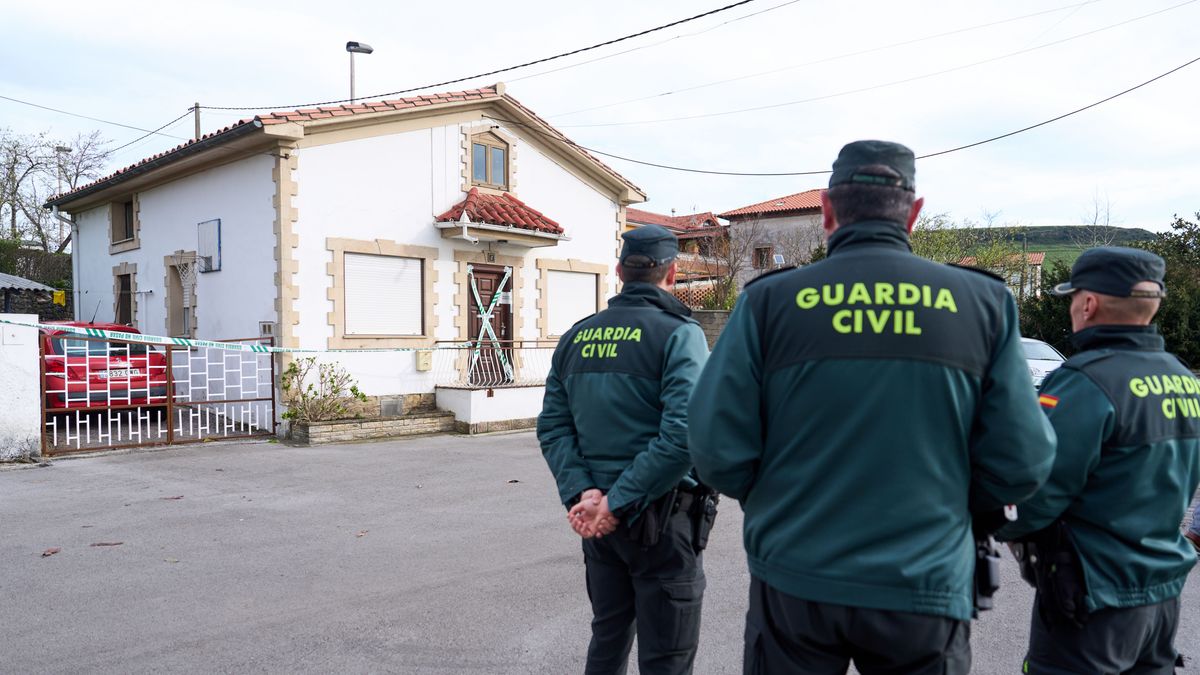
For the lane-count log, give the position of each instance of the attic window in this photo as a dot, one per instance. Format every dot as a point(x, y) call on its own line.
point(489, 161)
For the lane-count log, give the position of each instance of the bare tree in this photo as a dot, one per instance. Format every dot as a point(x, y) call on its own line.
point(22, 160)
point(796, 244)
point(33, 167)
point(1098, 228)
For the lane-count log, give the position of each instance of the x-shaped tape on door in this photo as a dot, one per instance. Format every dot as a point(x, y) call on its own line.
point(485, 317)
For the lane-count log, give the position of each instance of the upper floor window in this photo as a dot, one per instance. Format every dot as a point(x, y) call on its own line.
point(489, 161)
point(762, 257)
point(122, 221)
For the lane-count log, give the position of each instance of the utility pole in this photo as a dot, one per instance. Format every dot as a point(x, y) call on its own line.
point(59, 151)
point(196, 117)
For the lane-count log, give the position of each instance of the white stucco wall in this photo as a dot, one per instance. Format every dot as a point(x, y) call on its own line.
point(391, 187)
point(788, 234)
point(474, 405)
point(20, 388)
point(231, 302)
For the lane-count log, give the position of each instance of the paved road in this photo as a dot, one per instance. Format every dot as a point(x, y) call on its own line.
point(412, 557)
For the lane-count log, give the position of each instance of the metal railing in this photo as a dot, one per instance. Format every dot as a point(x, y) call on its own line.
point(100, 394)
point(488, 364)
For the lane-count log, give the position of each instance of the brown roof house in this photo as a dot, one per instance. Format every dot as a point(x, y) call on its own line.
point(776, 232)
point(416, 225)
point(703, 243)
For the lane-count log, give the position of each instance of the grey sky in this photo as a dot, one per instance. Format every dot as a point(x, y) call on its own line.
point(143, 63)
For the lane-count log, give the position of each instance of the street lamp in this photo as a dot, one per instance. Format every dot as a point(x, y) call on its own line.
point(356, 48)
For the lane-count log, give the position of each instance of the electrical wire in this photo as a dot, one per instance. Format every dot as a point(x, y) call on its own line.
point(151, 133)
point(683, 36)
point(94, 119)
point(491, 72)
point(825, 171)
point(881, 85)
point(1058, 23)
point(828, 59)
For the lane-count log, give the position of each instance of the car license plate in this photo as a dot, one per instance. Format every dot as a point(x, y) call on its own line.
point(119, 374)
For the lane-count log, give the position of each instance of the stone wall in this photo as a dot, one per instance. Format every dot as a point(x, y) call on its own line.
point(390, 406)
point(345, 431)
point(497, 425)
point(713, 322)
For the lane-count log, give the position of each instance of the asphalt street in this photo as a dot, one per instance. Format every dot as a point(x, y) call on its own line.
point(444, 554)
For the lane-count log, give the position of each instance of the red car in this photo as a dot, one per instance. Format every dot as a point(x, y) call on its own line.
point(84, 372)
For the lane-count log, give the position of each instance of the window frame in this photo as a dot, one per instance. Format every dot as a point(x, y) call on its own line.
point(766, 261)
point(124, 225)
point(422, 266)
point(338, 247)
point(490, 142)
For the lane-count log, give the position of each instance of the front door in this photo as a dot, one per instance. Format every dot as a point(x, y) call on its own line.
point(489, 325)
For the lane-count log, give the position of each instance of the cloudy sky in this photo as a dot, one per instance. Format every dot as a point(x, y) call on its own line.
point(769, 86)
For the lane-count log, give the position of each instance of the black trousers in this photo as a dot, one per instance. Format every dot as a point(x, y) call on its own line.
point(1127, 640)
point(659, 589)
point(787, 635)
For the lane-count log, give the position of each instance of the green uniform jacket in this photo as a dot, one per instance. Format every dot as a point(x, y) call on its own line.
point(1127, 415)
point(860, 409)
point(615, 412)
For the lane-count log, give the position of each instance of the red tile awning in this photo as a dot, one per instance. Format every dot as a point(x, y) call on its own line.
point(504, 210)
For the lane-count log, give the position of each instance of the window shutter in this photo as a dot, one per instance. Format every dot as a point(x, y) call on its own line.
point(384, 295)
point(570, 297)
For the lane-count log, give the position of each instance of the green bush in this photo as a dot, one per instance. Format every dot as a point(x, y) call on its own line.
point(325, 399)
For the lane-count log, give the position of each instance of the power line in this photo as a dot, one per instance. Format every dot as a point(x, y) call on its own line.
point(882, 85)
point(828, 59)
point(656, 44)
point(151, 133)
point(1058, 23)
point(492, 72)
point(825, 171)
point(94, 119)
point(1055, 119)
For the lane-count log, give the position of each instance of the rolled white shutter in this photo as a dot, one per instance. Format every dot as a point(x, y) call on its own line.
point(383, 295)
point(570, 297)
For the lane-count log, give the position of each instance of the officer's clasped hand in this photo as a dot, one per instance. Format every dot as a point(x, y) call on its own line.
point(591, 517)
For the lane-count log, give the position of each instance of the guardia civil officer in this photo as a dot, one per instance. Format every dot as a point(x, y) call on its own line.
point(861, 409)
point(613, 430)
point(1105, 551)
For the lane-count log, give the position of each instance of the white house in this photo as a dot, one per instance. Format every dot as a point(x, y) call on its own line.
point(385, 224)
point(788, 226)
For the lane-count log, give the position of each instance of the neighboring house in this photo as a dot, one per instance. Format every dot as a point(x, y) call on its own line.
point(14, 287)
point(406, 224)
point(788, 226)
point(1022, 273)
point(703, 242)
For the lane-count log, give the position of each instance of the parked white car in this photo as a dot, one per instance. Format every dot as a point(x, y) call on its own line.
point(1042, 358)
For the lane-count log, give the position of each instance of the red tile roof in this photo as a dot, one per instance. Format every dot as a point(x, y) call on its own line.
point(808, 200)
point(1033, 259)
point(305, 115)
point(504, 210)
point(678, 223)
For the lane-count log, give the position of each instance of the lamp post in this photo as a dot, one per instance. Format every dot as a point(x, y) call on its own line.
point(59, 151)
point(356, 48)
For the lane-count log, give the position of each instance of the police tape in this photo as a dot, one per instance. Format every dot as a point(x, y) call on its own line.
point(213, 344)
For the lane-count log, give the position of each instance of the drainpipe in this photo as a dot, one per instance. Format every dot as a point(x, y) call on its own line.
point(74, 260)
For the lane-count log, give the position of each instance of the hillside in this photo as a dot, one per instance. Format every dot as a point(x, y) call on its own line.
point(1059, 242)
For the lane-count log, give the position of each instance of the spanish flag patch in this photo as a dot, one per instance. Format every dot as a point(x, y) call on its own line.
point(1047, 400)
